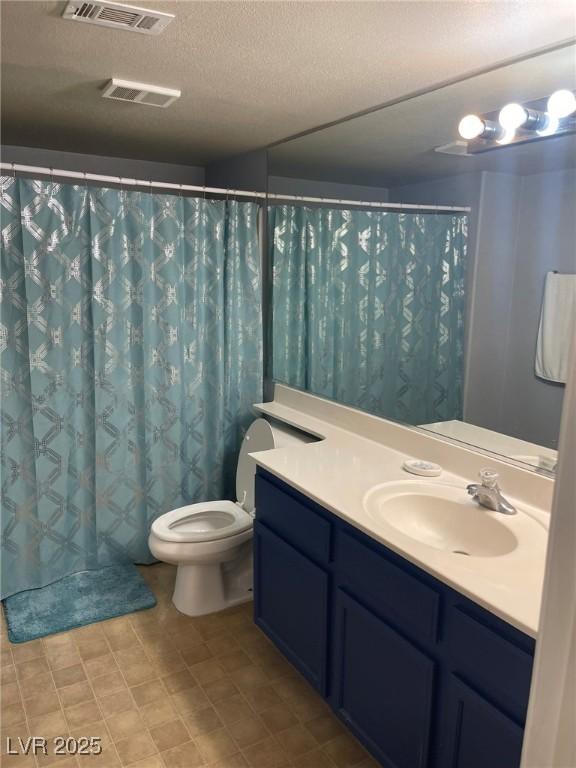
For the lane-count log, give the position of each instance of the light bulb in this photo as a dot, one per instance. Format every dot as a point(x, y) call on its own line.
point(561, 104)
point(470, 127)
point(512, 116)
point(551, 126)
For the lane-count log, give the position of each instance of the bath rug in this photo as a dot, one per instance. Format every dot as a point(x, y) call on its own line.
point(76, 600)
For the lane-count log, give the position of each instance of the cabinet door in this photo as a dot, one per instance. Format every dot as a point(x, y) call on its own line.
point(291, 603)
point(383, 686)
point(478, 734)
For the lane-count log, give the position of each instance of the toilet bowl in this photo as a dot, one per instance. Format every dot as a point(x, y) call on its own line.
point(211, 542)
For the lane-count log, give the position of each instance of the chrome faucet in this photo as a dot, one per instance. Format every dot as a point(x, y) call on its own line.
point(487, 493)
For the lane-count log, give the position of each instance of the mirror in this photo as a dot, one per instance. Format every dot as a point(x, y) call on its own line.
point(409, 274)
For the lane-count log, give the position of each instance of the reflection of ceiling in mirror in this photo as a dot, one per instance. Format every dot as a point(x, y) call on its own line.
point(397, 143)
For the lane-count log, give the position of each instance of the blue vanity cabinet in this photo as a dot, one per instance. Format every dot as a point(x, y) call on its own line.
point(291, 598)
point(383, 686)
point(423, 676)
point(478, 734)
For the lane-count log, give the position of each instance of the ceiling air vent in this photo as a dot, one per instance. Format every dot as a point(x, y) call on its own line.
point(119, 16)
point(140, 93)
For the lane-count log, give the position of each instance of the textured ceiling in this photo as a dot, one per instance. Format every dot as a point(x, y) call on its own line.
point(397, 144)
point(251, 73)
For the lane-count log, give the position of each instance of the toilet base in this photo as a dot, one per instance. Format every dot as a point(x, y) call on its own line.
point(211, 587)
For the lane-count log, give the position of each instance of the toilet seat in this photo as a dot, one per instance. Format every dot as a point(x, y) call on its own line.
point(207, 521)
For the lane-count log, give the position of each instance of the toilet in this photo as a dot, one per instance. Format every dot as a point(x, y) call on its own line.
point(211, 542)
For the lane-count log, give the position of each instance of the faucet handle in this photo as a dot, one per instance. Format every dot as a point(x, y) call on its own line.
point(489, 478)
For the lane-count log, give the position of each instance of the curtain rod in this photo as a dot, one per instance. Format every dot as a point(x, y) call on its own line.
point(123, 180)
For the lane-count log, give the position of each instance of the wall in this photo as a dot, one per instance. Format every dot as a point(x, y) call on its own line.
point(108, 166)
point(546, 241)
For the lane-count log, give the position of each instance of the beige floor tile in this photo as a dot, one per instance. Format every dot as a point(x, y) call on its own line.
point(296, 741)
point(314, 759)
point(8, 674)
point(32, 668)
point(266, 754)
point(187, 638)
point(185, 756)
point(232, 709)
point(221, 689)
point(232, 761)
point(148, 692)
point(60, 760)
point(161, 710)
point(278, 718)
point(83, 714)
point(215, 745)
point(324, 728)
point(62, 641)
point(344, 751)
point(49, 725)
point(154, 761)
point(92, 648)
point(234, 660)
point(32, 686)
point(222, 644)
point(108, 684)
point(248, 730)
point(207, 671)
point(169, 735)
point(196, 654)
point(18, 761)
point(203, 721)
point(135, 748)
point(27, 651)
point(262, 698)
point(64, 658)
point(249, 676)
point(76, 694)
point(69, 675)
point(167, 663)
point(12, 714)
point(41, 704)
point(179, 681)
point(10, 693)
point(124, 724)
point(138, 673)
point(116, 702)
point(101, 665)
point(121, 636)
point(190, 700)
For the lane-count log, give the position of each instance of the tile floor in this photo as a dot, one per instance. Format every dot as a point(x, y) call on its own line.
point(163, 690)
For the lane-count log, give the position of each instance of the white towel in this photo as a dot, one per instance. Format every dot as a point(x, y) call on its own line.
point(557, 327)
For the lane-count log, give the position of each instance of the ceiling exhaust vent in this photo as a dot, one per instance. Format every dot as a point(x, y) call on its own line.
point(119, 16)
point(140, 93)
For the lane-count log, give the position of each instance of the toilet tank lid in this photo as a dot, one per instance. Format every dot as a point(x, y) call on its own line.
point(258, 437)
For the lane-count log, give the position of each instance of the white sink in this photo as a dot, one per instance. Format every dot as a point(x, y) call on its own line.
point(441, 516)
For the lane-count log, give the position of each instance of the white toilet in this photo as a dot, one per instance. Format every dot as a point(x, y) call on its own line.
point(211, 542)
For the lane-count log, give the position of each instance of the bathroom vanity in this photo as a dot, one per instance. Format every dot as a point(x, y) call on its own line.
point(423, 648)
point(420, 674)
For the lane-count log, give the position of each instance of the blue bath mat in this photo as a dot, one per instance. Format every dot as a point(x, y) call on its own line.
point(76, 600)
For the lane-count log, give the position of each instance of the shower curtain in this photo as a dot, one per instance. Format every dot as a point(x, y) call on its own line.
point(369, 308)
point(130, 358)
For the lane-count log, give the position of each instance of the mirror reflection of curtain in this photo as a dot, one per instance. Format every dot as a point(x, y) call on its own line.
point(369, 308)
point(131, 358)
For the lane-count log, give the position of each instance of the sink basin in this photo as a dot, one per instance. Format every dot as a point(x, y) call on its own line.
point(440, 516)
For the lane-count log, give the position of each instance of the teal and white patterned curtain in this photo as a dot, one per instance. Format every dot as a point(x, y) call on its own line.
point(130, 358)
point(369, 308)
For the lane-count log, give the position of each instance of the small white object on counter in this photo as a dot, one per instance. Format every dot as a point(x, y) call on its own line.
point(421, 467)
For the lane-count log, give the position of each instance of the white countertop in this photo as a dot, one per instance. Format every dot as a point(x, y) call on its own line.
point(338, 471)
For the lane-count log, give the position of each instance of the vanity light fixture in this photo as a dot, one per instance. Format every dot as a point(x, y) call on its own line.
point(514, 116)
point(561, 104)
point(520, 123)
point(475, 127)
